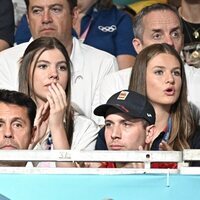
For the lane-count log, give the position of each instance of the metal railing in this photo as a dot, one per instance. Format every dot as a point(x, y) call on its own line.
point(182, 158)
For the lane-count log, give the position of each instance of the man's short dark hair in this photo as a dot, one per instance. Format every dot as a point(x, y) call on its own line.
point(19, 99)
point(72, 4)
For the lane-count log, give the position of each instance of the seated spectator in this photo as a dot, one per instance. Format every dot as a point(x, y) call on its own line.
point(23, 33)
point(101, 25)
point(45, 75)
point(129, 125)
point(19, 10)
point(89, 65)
point(189, 13)
point(7, 25)
point(98, 24)
point(159, 74)
point(17, 131)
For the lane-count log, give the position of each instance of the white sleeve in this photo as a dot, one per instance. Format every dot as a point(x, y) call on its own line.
point(107, 67)
point(8, 74)
point(85, 133)
point(114, 83)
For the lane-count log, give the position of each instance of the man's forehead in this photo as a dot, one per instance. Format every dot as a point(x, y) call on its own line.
point(13, 110)
point(47, 2)
point(160, 18)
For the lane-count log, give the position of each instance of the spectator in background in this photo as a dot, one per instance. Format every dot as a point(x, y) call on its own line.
point(23, 33)
point(101, 25)
point(189, 12)
point(7, 26)
point(139, 5)
point(89, 65)
point(45, 76)
point(17, 131)
point(19, 10)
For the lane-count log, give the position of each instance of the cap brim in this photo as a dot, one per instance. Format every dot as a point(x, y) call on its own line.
point(102, 109)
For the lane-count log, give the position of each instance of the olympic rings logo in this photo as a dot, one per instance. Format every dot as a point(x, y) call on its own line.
point(107, 28)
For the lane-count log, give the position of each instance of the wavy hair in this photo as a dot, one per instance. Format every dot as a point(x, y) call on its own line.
point(183, 124)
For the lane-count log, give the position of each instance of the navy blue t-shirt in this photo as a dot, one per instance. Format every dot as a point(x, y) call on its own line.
point(111, 30)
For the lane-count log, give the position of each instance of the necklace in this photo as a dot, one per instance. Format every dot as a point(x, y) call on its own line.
point(196, 34)
point(192, 29)
point(195, 31)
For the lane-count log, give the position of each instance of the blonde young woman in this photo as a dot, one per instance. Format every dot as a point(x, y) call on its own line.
point(159, 74)
point(45, 75)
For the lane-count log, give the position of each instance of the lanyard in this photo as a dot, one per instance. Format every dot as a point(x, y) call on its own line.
point(168, 131)
point(84, 34)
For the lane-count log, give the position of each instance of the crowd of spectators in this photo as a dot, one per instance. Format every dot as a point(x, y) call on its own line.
point(100, 75)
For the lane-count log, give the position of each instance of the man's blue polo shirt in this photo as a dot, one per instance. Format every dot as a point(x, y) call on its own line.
point(111, 30)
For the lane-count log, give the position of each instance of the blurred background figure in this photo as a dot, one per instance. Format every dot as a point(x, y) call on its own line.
point(189, 12)
point(19, 10)
point(7, 26)
point(101, 25)
point(20, 18)
point(137, 6)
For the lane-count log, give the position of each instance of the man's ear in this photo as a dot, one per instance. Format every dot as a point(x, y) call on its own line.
point(150, 132)
point(137, 45)
point(75, 14)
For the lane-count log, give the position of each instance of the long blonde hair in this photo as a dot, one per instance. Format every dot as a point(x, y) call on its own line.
point(183, 124)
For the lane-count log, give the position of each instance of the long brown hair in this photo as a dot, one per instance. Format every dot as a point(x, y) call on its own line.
point(183, 124)
point(33, 52)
